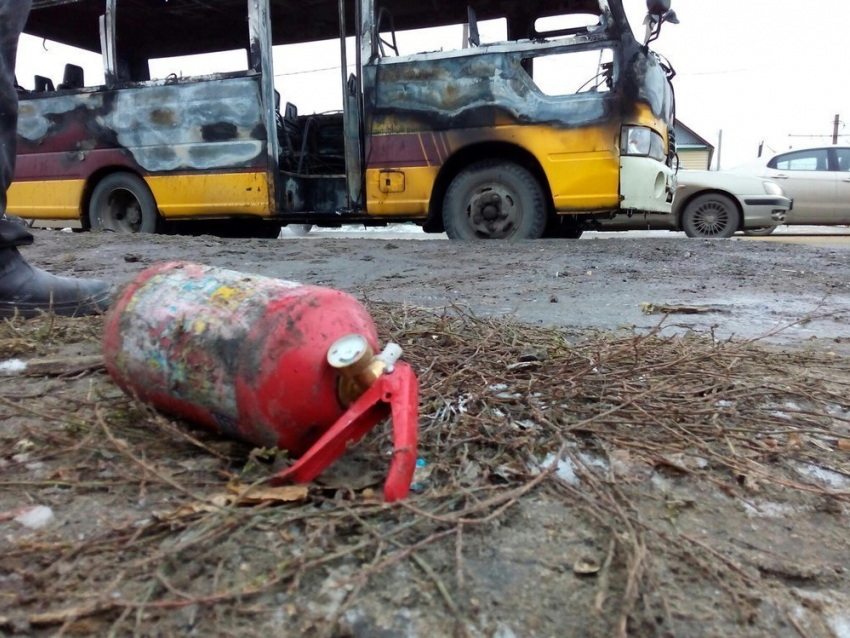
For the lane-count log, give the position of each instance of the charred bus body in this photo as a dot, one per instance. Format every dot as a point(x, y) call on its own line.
point(471, 141)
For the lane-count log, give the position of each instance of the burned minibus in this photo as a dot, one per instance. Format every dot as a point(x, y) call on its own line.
point(566, 119)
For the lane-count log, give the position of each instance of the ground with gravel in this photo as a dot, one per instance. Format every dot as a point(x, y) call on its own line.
point(640, 438)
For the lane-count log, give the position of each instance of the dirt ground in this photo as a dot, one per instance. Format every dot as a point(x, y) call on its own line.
point(590, 467)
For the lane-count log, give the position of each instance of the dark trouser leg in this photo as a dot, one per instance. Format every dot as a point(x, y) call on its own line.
point(13, 17)
point(25, 290)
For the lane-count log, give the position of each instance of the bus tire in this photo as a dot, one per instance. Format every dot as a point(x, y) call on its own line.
point(123, 203)
point(711, 216)
point(494, 199)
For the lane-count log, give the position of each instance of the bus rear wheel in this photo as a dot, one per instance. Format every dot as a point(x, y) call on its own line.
point(494, 199)
point(123, 203)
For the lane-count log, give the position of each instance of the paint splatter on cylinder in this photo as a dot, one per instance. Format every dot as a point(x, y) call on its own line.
point(242, 354)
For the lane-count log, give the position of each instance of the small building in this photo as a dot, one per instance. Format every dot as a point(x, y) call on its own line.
point(695, 152)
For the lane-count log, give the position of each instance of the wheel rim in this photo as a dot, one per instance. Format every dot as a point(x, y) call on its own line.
point(711, 219)
point(493, 211)
point(122, 213)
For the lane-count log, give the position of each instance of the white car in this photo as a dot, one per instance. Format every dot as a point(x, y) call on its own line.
point(817, 179)
point(714, 205)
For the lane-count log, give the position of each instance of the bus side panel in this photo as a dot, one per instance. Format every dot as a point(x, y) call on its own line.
point(55, 199)
point(581, 166)
point(188, 132)
point(206, 194)
point(425, 110)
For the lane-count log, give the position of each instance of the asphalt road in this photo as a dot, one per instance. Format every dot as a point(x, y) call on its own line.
point(794, 293)
point(812, 235)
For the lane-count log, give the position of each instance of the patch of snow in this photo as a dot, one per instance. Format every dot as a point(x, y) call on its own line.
point(827, 477)
point(35, 517)
point(12, 366)
point(834, 409)
point(567, 469)
point(661, 482)
point(527, 424)
point(770, 509)
point(840, 626)
point(503, 631)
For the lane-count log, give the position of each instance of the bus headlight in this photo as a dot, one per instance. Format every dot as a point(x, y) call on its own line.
point(642, 142)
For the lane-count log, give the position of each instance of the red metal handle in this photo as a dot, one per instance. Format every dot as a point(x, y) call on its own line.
point(395, 394)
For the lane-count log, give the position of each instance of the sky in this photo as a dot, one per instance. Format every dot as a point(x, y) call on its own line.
point(772, 71)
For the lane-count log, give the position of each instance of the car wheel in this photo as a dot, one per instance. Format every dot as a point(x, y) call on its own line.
point(300, 230)
point(711, 216)
point(494, 199)
point(123, 203)
point(760, 232)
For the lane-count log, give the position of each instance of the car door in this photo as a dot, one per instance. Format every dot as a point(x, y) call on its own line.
point(842, 166)
point(806, 178)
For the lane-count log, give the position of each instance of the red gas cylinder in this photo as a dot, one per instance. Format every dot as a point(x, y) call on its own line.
point(272, 362)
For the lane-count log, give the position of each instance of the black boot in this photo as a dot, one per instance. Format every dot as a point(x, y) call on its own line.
point(26, 291)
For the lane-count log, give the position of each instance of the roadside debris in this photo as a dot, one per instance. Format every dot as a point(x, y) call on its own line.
point(669, 309)
point(663, 441)
point(241, 496)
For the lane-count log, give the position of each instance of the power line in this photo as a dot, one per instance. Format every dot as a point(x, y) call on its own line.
point(327, 68)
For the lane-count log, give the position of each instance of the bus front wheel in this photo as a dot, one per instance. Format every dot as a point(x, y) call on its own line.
point(494, 199)
point(123, 203)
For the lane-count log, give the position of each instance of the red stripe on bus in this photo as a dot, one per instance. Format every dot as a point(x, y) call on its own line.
point(69, 165)
point(394, 151)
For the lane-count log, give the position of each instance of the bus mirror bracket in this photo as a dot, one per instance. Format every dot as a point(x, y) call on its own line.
point(658, 12)
point(474, 35)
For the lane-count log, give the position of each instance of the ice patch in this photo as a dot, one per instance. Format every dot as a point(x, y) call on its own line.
point(35, 517)
point(12, 366)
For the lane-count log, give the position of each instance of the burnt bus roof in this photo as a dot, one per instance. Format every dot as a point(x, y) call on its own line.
point(163, 28)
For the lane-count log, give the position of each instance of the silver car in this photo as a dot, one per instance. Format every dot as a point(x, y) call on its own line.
point(817, 179)
point(714, 204)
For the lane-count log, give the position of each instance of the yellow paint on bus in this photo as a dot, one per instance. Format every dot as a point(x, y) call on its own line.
point(211, 194)
point(177, 196)
point(53, 199)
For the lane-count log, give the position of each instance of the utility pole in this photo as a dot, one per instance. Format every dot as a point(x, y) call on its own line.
point(719, 149)
point(835, 129)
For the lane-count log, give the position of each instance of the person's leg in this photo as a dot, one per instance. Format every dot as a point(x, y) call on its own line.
point(25, 290)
